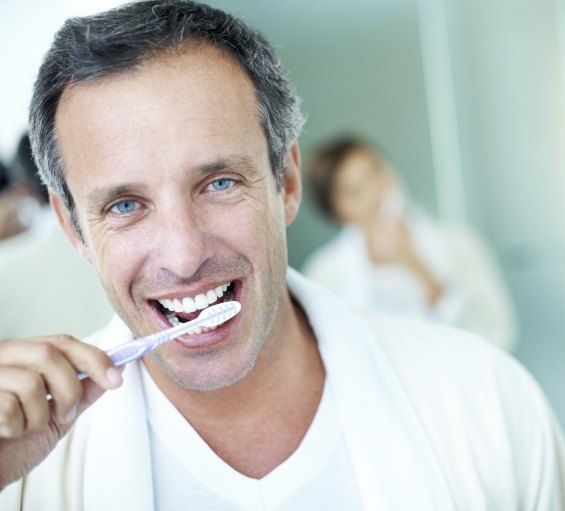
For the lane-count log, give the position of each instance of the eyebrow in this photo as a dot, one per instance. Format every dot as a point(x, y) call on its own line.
point(238, 162)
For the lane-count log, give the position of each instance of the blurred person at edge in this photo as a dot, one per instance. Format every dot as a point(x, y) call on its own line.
point(39, 269)
point(22, 201)
point(3, 177)
point(176, 173)
point(391, 256)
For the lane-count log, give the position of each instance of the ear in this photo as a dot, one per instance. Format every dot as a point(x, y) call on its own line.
point(292, 183)
point(64, 219)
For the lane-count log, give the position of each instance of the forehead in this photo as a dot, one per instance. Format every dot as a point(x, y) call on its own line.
point(357, 166)
point(194, 106)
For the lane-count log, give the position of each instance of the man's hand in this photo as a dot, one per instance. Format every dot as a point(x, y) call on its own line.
point(30, 425)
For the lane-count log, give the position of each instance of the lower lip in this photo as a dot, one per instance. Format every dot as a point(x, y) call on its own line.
point(207, 339)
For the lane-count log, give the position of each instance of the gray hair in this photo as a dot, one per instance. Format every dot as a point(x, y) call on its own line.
point(120, 39)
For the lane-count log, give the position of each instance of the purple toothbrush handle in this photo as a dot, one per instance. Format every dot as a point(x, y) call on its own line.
point(127, 352)
point(121, 355)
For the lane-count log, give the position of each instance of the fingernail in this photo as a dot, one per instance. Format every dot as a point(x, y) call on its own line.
point(70, 415)
point(113, 376)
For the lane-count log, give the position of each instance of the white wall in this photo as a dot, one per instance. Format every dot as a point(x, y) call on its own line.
point(26, 31)
point(509, 94)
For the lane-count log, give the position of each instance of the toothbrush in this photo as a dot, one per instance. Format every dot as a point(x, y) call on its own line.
point(136, 348)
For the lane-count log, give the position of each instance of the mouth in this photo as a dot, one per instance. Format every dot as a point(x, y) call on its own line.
point(175, 310)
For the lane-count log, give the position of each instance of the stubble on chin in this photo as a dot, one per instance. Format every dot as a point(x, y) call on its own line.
point(209, 374)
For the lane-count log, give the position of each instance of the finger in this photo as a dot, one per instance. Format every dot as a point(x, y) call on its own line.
point(90, 360)
point(91, 392)
point(58, 358)
point(12, 422)
point(29, 388)
point(47, 360)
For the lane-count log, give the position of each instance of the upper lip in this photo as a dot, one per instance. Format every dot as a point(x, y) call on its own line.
point(188, 291)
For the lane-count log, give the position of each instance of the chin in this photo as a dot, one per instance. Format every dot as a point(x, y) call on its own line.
point(208, 371)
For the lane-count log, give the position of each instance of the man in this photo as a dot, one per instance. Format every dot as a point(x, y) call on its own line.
point(167, 134)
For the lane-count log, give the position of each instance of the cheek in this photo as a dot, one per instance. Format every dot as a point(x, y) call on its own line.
point(270, 226)
point(257, 233)
point(252, 225)
point(346, 208)
point(119, 256)
point(370, 200)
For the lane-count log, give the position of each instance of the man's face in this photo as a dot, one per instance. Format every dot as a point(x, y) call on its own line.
point(169, 170)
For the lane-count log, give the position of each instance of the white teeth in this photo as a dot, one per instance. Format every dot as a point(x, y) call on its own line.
point(174, 321)
point(199, 302)
point(168, 304)
point(211, 296)
point(177, 304)
point(188, 304)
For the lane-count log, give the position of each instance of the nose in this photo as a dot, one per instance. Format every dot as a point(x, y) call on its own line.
point(181, 245)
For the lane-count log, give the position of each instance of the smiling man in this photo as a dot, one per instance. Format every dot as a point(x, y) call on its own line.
point(169, 169)
point(167, 134)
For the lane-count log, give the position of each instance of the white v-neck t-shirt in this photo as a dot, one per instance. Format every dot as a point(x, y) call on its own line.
point(189, 475)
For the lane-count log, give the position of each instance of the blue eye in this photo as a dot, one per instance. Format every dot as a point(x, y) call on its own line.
point(222, 184)
point(124, 207)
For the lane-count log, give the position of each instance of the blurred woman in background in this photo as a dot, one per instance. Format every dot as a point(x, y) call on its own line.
point(22, 195)
point(391, 256)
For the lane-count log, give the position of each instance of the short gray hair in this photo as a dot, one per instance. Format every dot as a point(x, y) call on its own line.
point(120, 39)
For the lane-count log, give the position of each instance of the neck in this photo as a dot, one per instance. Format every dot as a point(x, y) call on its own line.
point(258, 422)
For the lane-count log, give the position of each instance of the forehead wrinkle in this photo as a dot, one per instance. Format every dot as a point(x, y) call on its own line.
point(116, 131)
point(117, 134)
point(130, 141)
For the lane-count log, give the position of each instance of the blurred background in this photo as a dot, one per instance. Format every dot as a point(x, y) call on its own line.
point(467, 99)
